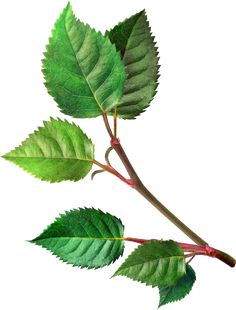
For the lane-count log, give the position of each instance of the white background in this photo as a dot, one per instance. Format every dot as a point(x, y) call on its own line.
point(183, 147)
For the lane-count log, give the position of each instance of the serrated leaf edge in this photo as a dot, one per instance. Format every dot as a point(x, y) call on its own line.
point(106, 41)
point(74, 265)
point(140, 281)
point(157, 65)
point(186, 294)
point(5, 156)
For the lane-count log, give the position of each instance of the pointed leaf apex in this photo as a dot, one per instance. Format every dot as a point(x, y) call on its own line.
point(143, 12)
point(68, 7)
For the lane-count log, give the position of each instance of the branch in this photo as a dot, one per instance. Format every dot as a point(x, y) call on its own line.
point(137, 184)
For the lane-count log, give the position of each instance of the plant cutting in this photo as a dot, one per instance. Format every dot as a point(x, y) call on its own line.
point(110, 76)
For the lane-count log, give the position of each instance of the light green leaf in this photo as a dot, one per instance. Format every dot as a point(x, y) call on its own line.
point(82, 69)
point(154, 263)
point(56, 152)
point(84, 237)
point(179, 290)
point(135, 42)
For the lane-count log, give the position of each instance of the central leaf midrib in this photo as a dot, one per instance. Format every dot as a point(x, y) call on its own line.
point(83, 238)
point(52, 158)
point(94, 96)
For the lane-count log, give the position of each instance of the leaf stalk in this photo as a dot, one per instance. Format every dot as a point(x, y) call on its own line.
point(195, 250)
point(113, 171)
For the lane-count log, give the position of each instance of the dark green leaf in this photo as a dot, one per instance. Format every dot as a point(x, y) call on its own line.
point(84, 237)
point(135, 42)
point(83, 71)
point(56, 152)
point(154, 263)
point(179, 290)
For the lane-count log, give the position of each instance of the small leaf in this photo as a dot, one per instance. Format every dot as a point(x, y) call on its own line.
point(135, 42)
point(84, 237)
point(82, 69)
point(179, 290)
point(154, 263)
point(56, 152)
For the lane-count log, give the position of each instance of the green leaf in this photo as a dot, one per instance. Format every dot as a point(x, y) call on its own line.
point(56, 152)
point(84, 237)
point(135, 42)
point(82, 69)
point(154, 263)
point(179, 290)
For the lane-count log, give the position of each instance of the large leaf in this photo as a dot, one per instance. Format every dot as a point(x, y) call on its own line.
point(154, 263)
point(135, 42)
point(83, 71)
point(179, 290)
point(84, 237)
point(56, 152)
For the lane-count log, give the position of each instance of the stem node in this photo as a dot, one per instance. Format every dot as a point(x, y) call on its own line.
point(131, 183)
point(115, 141)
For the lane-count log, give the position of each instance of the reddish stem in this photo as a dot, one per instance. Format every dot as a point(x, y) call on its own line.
point(113, 171)
point(136, 183)
point(115, 122)
point(196, 250)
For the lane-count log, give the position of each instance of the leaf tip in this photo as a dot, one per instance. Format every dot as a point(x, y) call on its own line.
point(8, 156)
point(30, 241)
point(114, 275)
point(68, 7)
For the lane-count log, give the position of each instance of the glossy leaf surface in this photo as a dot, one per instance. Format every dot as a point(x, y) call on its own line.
point(82, 69)
point(84, 237)
point(56, 152)
point(154, 263)
point(134, 41)
point(179, 290)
